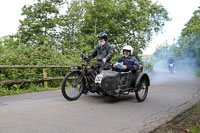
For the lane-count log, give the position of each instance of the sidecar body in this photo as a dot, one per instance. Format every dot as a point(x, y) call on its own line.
point(114, 83)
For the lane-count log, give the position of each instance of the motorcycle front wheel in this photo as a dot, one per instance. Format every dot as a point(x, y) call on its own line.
point(141, 92)
point(171, 70)
point(73, 85)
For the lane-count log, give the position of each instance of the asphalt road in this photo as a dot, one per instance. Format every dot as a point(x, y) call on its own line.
point(49, 112)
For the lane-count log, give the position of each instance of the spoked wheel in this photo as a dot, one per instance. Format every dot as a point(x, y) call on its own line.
point(73, 85)
point(141, 92)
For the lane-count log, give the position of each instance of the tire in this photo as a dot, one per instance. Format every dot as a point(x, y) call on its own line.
point(171, 70)
point(73, 85)
point(142, 90)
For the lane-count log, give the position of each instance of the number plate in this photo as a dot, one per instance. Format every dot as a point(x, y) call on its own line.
point(98, 78)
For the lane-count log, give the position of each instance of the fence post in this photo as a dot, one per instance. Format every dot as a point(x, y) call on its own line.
point(45, 76)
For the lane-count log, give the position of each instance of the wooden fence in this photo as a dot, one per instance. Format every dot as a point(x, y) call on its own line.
point(45, 78)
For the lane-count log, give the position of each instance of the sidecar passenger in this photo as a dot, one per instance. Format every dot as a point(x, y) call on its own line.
point(127, 62)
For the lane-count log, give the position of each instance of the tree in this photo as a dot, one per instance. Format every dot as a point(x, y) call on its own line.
point(40, 25)
point(10, 41)
point(125, 21)
point(72, 20)
point(131, 22)
point(1, 42)
point(189, 41)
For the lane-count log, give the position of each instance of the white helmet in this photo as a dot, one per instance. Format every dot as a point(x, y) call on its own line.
point(128, 47)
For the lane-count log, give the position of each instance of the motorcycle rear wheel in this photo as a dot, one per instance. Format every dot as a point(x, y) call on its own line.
point(73, 85)
point(142, 91)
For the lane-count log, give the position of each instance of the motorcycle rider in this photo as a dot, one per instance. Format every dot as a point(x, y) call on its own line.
point(126, 62)
point(170, 61)
point(103, 52)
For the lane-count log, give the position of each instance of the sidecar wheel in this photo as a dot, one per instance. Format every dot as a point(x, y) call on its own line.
point(142, 90)
point(73, 85)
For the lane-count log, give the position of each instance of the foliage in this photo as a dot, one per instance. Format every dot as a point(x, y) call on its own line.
point(125, 21)
point(40, 23)
point(147, 61)
point(1, 45)
point(189, 42)
point(41, 56)
point(16, 89)
point(186, 50)
point(198, 71)
point(47, 37)
point(165, 50)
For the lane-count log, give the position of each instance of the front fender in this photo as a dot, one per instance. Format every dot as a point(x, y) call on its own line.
point(141, 76)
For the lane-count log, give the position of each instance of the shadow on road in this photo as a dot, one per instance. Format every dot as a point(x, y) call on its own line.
point(95, 98)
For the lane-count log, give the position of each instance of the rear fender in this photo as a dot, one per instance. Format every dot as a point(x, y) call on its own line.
point(141, 76)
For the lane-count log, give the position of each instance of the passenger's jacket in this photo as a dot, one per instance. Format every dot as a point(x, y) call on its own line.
point(131, 63)
point(102, 51)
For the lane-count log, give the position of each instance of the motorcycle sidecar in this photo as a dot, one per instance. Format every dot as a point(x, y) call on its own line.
point(115, 83)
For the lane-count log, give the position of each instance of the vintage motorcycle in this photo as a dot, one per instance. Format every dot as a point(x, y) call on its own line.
point(84, 79)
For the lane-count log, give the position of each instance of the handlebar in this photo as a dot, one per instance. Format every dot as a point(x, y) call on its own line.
point(86, 58)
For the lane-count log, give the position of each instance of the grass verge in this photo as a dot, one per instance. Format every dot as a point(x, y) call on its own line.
point(16, 91)
point(187, 122)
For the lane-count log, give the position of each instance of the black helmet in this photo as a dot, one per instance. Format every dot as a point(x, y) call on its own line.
point(103, 35)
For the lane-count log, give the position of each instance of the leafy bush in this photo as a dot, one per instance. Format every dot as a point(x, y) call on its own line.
point(40, 56)
point(17, 89)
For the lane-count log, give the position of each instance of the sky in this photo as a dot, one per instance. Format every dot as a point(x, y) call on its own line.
point(10, 14)
point(180, 11)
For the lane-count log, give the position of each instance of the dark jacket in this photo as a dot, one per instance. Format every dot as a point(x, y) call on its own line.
point(130, 61)
point(103, 51)
point(170, 61)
